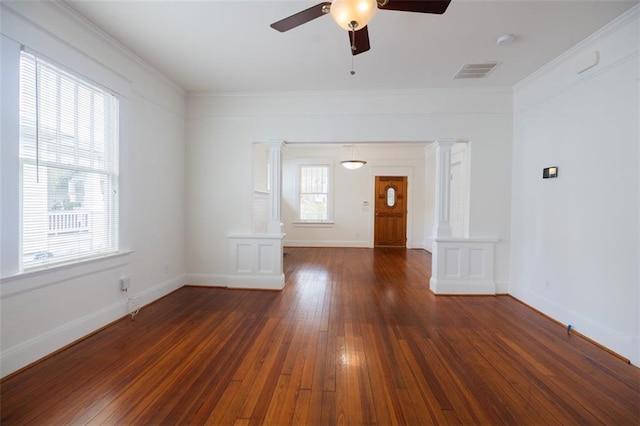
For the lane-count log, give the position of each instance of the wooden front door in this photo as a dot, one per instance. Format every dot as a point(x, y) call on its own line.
point(390, 229)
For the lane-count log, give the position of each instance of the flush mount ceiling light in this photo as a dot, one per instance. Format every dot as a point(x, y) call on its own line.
point(353, 163)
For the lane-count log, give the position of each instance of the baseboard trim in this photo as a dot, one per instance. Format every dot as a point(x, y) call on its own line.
point(611, 341)
point(450, 287)
point(207, 280)
point(348, 244)
point(256, 282)
point(239, 281)
point(25, 354)
point(502, 287)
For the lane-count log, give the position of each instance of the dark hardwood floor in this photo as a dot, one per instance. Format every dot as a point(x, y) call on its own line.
point(355, 338)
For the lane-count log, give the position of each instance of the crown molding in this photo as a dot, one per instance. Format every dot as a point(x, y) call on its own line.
point(329, 93)
point(68, 11)
point(603, 32)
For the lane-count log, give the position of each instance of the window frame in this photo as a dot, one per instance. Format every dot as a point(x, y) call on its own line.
point(100, 165)
point(96, 74)
point(330, 195)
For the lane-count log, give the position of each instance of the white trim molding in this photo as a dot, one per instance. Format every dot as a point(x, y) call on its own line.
point(612, 339)
point(314, 243)
point(255, 261)
point(43, 277)
point(603, 32)
point(30, 351)
point(207, 280)
point(463, 266)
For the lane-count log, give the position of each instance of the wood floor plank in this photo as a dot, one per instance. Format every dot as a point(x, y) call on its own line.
point(256, 382)
point(385, 400)
point(225, 411)
point(317, 388)
point(356, 337)
point(301, 409)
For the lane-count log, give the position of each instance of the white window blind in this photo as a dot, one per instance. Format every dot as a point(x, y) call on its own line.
point(314, 193)
point(68, 166)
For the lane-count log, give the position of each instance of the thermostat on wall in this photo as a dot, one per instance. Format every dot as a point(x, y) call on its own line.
point(550, 172)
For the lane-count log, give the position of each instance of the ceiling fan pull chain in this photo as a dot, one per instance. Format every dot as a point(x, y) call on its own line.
point(353, 49)
point(353, 26)
point(353, 40)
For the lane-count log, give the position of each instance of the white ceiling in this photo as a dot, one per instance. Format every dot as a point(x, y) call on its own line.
point(222, 46)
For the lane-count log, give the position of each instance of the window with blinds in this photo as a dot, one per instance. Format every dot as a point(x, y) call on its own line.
point(68, 166)
point(314, 193)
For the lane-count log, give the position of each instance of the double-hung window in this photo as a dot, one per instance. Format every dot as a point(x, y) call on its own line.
point(68, 166)
point(314, 193)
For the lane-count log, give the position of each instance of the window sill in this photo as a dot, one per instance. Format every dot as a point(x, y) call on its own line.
point(313, 224)
point(43, 277)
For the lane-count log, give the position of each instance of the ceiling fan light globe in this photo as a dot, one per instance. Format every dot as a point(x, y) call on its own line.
point(346, 11)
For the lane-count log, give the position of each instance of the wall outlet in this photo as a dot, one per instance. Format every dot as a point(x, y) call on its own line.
point(166, 268)
point(124, 284)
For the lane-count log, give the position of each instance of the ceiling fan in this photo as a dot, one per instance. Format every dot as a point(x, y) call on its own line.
point(354, 15)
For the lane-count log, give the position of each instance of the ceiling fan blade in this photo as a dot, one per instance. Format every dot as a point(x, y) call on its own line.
point(421, 6)
point(302, 17)
point(361, 41)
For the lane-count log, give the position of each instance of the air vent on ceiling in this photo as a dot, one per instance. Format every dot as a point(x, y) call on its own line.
point(476, 70)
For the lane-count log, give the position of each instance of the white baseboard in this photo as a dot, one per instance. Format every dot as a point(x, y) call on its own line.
point(502, 287)
point(23, 354)
point(312, 243)
point(240, 281)
point(256, 282)
point(451, 287)
point(162, 289)
point(419, 246)
point(348, 244)
point(623, 344)
point(207, 280)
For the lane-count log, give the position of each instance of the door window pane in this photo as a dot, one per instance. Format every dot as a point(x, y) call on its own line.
point(391, 196)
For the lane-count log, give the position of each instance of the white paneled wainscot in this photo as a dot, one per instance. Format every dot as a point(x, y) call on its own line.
point(463, 266)
point(255, 261)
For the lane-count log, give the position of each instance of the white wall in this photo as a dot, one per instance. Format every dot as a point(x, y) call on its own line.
point(575, 238)
point(221, 129)
point(42, 312)
point(260, 167)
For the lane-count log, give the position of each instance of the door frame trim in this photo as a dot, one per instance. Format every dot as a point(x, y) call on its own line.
point(392, 171)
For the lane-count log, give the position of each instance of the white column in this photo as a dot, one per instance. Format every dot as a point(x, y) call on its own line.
point(275, 193)
point(441, 225)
